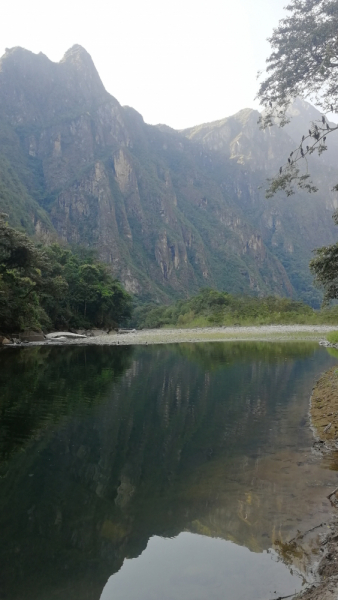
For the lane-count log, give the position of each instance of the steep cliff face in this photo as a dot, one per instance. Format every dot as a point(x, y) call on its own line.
point(168, 211)
point(290, 227)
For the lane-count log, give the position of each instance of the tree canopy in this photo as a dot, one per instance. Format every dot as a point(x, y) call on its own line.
point(303, 62)
point(325, 268)
point(54, 287)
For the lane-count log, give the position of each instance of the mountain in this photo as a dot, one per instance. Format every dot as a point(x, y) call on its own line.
point(169, 211)
point(290, 227)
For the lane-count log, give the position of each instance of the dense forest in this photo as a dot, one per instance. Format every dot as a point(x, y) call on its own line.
point(54, 287)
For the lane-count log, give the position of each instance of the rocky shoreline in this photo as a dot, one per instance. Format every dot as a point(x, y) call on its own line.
point(324, 422)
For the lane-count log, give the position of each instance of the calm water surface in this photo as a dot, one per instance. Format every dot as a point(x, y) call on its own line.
point(157, 473)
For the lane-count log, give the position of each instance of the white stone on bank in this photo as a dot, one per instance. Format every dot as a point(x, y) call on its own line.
point(64, 334)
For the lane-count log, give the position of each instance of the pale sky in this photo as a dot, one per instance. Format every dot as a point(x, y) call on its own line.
point(178, 62)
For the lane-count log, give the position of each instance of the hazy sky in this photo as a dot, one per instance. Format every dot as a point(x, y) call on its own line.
point(179, 62)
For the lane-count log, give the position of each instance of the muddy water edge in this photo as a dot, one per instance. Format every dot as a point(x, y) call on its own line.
point(324, 422)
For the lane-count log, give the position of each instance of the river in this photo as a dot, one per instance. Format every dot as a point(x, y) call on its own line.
point(158, 472)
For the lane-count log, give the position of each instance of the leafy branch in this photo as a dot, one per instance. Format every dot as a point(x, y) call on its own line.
point(303, 63)
point(290, 173)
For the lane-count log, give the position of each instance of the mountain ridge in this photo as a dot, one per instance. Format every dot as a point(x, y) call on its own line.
point(169, 211)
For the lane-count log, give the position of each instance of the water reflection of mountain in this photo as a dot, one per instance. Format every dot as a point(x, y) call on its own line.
point(114, 446)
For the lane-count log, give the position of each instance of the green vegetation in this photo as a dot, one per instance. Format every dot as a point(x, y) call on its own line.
point(212, 308)
point(332, 337)
point(325, 268)
point(54, 287)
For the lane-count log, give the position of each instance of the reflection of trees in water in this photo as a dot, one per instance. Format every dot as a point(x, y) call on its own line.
point(161, 454)
point(215, 355)
point(39, 386)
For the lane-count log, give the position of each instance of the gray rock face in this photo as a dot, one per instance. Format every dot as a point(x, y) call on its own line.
point(169, 211)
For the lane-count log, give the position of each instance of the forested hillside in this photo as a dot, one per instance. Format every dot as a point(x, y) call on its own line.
point(53, 287)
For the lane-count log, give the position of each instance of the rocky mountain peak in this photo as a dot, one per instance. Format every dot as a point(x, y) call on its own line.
point(77, 54)
point(36, 90)
point(81, 66)
point(21, 65)
point(19, 57)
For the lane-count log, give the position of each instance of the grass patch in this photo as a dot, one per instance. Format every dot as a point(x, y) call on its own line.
point(332, 337)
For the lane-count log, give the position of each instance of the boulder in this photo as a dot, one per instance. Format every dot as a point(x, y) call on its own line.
point(65, 334)
point(4, 341)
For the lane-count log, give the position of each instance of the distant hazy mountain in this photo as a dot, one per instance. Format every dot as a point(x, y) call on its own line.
point(170, 211)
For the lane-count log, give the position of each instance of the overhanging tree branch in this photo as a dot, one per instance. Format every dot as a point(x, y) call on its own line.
point(303, 63)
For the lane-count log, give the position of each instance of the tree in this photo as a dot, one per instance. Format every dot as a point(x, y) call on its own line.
point(55, 287)
point(92, 297)
point(304, 62)
point(24, 274)
point(325, 268)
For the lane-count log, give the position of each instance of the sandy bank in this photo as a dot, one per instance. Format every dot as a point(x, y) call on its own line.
point(213, 334)
point(324, 408)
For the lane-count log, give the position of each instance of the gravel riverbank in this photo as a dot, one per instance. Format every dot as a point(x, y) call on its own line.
point(264, 333)
point(212, 334)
